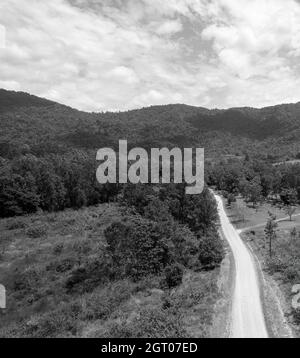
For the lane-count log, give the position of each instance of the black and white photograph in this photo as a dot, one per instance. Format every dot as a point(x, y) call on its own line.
point(149, 172)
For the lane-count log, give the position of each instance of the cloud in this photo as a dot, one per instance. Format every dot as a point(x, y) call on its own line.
point(124, 74)
point(169, 27)
point(101, 55)
point(2, 36)
point(256, 41)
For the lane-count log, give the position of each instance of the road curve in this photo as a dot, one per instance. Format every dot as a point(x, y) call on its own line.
point(247, 313)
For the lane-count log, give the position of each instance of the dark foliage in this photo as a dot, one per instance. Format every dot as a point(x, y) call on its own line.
point(173, 275)
point(257, 180)
point(51, 183)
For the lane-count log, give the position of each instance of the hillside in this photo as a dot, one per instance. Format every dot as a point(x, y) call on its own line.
point(83, 259)
point(112, 271)
point(11, 100)
point(29, 123)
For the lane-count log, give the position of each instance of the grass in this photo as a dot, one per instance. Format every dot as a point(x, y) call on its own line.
point(53, 268)
point(253, 216)
point(284, 265)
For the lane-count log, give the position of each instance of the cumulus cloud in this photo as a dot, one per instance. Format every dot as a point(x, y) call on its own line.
point(169, 27)
point(101, 55)
point(257, 42)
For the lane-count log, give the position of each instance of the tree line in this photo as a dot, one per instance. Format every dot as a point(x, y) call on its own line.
point(257, 181)
point(51, 183)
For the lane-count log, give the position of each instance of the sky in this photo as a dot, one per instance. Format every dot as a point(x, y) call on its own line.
point(115, 55)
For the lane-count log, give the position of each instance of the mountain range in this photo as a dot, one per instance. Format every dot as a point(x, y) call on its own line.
point(30, 124)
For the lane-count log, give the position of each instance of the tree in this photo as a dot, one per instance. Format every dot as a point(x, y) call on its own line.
point(138, 196)
point(186, 245)
point(270, 231)
point(50, 189)
point(211, 250)
point(267, 183)
point(290, 211)
point(240, 211)
point(139, 247)
point(173, 275)
point(289, 197)
point(158, 211)
point(252, 191)
point(293, 233)
point(231, 199)
point(200, 212)
point(174, 196)
point(18, 195)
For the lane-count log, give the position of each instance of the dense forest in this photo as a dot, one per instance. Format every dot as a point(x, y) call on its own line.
point(36, 126)
point(47, 150)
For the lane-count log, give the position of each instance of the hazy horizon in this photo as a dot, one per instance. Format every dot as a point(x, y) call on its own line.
point(154, 105)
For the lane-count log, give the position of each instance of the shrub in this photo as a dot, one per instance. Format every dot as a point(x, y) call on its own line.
point(59, 323)
point(150, 323)
point(158, 211)
point(82, 247)
point(101, 304)
point(158, 323)
point(173, 275)
point(275, 264)
point(296, 315)
point(90, 275)
point(24, 283)
point(138, 196)
point(37, 232)
point(16, 224)
point(291, 273)
point(231, 199)
point(139, 247)
point(77, 276)
point(58, 249)
point(63, 265)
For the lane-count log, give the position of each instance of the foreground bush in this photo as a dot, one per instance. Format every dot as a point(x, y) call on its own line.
point(173, 275)
point(37, 232)
point(103, 302)
point(90, 275)
point(296, 316)
point(150, 323)
point(275, 264)
point(139, 247)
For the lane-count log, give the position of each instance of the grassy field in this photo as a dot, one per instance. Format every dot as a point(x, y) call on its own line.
point(284, 264)
point(57, 285)
point(245, 216)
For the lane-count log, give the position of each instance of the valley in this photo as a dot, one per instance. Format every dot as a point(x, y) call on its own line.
point(83, 259)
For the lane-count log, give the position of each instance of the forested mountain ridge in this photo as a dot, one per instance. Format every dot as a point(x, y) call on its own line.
point(36, 125)
point(11, 100)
